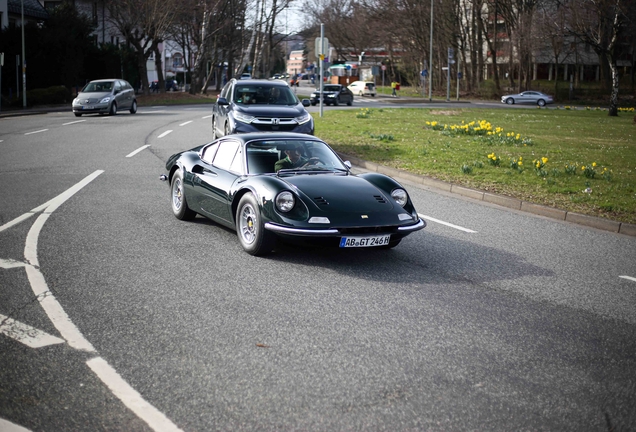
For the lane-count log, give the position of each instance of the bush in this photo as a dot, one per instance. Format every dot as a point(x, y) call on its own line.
point(55, 95)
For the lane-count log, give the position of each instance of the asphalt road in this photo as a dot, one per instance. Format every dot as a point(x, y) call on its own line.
point(488, 319)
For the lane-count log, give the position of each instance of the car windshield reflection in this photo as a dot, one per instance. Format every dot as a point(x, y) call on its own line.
point(260, 94)
point(98, 87)
point(291, 156)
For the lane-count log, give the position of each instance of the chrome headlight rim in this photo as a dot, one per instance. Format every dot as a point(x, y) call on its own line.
point(400, 196)
point(285, 201)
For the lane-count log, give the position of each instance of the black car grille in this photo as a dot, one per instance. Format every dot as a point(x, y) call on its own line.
point(277, 128)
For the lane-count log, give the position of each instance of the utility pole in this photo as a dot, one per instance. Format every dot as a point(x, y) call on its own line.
point(24, 104)
point(430, 60)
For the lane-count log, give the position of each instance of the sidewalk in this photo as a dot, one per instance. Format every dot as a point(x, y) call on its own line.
point(34, 110)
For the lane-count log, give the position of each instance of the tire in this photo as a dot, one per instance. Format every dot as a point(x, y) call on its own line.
point(350, 102)
point(360, 94)
point(335, 102)
point(226, 129)
point(113, 109)
point(78, 114)
point(178, 201)
point(313, 103)
point(510, 101)
point(250, 229)
point(133, 107)
point(214, 134)
point(541, 102)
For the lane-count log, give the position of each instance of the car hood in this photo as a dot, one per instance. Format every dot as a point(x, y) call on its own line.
point(340, 193)
point(272, 110)
point(93, 95)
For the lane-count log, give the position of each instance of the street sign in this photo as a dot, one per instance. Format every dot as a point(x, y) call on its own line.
point(424, 73)
point(383, 67)
point(321, 48)
point(451, 53)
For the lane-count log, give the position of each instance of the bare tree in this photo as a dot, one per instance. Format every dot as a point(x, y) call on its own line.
point(600, 24)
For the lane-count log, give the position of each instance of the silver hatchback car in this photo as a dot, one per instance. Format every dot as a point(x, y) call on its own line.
point(105, 96)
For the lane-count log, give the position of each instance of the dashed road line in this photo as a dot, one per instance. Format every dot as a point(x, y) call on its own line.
point(138, 150)
point(188, 122)
point(633, 279)
point(164, 134)
point(428, 218)
point(73, 122)
point(34, 132)
point(206, 117)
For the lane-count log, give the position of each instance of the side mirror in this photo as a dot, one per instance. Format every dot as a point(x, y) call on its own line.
point(347, 164)
point(222, 101)
point(306, 102)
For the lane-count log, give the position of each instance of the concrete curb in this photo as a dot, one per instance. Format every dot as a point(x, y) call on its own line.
point(501, 200)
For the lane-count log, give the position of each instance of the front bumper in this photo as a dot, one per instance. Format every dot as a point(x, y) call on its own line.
point(401, 231)
point(91, 109)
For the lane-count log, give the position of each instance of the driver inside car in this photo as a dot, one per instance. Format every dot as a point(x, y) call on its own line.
point(294, 159)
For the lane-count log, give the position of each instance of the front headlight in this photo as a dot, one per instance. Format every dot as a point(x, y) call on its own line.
point(285, 201)
point(105, 100)
point(303, 118)
point(331, 95)
point(400, 196)
point(244, 118)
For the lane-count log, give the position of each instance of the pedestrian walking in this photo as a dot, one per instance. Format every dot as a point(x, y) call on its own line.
point(393, 88)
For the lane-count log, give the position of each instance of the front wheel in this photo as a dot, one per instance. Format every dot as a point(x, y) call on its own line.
point(541, 102)
point(133, 107)
point(78, 114)
point(335, 102)
point(226, 129)
point(252, 235)
point(350, 102)
point(113, 109)
point(180, 207)
point(510, 101)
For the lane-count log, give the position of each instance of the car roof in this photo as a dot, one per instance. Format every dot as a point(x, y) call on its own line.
point(260, 82)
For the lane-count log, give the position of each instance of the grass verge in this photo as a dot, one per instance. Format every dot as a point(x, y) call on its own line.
point(578, 160)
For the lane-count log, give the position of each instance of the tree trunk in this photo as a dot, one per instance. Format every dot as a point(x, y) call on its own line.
point(613, 106)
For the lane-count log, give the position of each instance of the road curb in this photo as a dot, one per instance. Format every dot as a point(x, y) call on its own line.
point(500, 200)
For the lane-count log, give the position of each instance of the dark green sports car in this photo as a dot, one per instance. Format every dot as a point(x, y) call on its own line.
point(291, 187)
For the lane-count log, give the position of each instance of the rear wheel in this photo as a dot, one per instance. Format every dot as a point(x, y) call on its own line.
point(250, 229)
point(541, 102)
point(180, 207)
point(133, 107)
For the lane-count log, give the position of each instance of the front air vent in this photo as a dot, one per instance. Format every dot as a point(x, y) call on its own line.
point(380, 199)
point(321, 201)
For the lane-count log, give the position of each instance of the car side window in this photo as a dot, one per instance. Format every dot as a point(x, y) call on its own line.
point(118, 86)
point(225, 154)
point(237, 163)
point(208, 153)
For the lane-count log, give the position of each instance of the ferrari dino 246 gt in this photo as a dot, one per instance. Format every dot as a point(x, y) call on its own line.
point(291, 187)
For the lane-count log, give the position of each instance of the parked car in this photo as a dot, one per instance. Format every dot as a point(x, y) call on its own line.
point(259, 106)
point(333, 94)
point(362, 88)
point(246, 76)
point(232, 181)
point(530, 96)
point(105, 96)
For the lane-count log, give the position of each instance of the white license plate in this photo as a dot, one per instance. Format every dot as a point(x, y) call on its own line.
point(364, 241)
point(88, 107)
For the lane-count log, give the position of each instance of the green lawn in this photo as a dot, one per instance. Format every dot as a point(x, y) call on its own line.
point(577, 160)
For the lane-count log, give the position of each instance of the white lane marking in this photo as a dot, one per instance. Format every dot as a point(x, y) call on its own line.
point(9, 263)
point(73, 122)
point(633, 279)
point(201, 118)
point(7, 426)
point(30, 336)
point(151, 112)
point(159, 106)
point(428, 218)
point(164, 134)
point(34, 132)
point(1, 141)
point(138, 150)
point(41, 207)
point(130, 397)
point(183, 124)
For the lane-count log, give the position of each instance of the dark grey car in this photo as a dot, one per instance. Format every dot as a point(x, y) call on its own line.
point(105, 96)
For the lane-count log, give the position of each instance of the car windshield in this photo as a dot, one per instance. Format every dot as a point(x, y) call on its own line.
point(291, 156)
point(98, 87)
point(263, 94)
point(333, 88)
